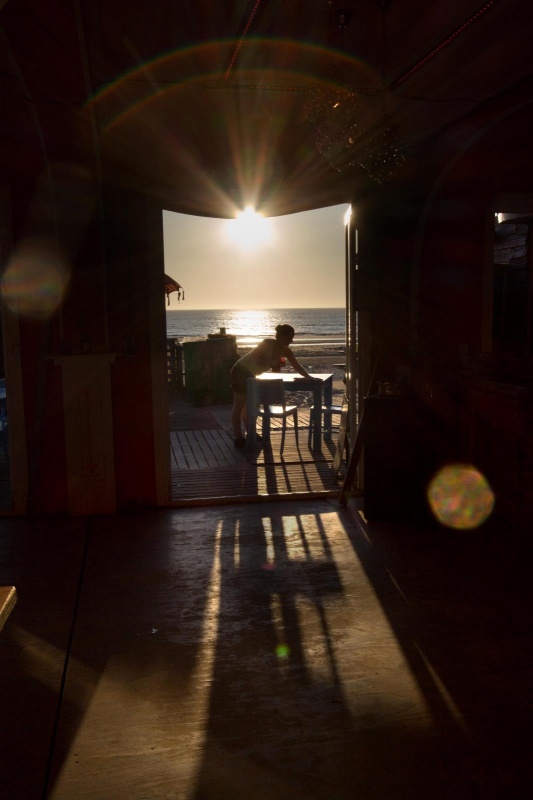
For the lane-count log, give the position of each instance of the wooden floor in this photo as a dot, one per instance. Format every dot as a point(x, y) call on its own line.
point(271, 651)
point(206, 465)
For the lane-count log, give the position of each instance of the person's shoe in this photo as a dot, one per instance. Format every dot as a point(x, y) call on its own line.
point(240, 442)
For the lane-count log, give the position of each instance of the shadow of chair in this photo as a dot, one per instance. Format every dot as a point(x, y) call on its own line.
point(325, 409)
point(274, 406)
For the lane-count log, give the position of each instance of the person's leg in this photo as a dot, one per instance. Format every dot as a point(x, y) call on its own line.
point(244, 417)
point(237, 414)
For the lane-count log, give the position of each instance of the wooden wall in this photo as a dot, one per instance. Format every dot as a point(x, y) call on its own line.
point(430, 244)
point(105, 322)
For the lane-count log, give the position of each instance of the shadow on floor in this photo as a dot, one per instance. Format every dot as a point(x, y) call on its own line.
point(278, 650)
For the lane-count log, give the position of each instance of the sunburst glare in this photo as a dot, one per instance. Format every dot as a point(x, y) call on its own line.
point(249, 229)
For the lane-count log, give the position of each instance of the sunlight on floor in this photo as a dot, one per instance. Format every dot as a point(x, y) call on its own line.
point(266, 628)
point(44, 662)
point(136, 685)
point(374, 676)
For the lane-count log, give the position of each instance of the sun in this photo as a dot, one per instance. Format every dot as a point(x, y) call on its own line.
point(249, 229)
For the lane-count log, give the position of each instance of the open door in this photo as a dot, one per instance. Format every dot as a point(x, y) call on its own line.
point(352, 361)
point(360, 359)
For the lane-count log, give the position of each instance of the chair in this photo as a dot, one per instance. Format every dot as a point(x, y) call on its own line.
point(324, 410)
point(273, 405)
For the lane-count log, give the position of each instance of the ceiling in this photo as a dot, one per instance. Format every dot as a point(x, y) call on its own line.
point(214, 104)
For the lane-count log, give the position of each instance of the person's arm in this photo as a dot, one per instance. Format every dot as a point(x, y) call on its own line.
point(291, 358)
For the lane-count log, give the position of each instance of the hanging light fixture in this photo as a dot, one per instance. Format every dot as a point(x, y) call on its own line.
point(354, 126)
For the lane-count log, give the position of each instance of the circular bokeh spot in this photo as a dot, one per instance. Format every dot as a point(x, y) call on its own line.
point(460, 497)
point(35, 280)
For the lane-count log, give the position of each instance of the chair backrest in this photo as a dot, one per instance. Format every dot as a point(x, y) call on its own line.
point(271, 392)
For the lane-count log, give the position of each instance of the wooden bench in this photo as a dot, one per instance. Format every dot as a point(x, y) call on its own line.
point(8, 598)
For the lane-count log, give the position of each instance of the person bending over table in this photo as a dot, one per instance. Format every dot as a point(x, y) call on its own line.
point(267, 355)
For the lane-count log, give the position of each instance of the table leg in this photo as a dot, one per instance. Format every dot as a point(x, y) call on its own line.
point(328, 399)
point(317, 414)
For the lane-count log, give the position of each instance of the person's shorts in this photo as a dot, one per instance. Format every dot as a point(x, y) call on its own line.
point(239, 376)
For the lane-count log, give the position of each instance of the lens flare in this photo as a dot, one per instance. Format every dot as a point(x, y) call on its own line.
point(35, 280)
point(460, 497)
point(250, 229)
point(282, 650)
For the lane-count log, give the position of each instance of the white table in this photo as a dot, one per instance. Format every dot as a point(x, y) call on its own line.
point(322, 390)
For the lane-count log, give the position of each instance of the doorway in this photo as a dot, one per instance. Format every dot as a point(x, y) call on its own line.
point(264, 282)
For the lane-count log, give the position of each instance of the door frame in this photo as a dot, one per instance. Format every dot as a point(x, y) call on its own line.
point(16, 432)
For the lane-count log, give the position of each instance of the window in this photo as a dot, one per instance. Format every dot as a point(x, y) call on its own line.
point(512, 323)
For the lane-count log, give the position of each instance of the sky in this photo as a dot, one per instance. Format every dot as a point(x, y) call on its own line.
point(293, 261)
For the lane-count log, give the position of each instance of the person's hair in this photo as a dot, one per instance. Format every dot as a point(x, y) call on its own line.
point(284, 330)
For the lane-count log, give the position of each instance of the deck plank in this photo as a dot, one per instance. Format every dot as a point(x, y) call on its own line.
point(297, 471)
point(179, 460)
point(207, 466)
point(218, 456)
point(188, 452)
point(254, 481)
point(194, 444)
point(223, 445)
point(203, 445)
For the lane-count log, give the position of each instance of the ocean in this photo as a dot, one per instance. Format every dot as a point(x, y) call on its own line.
point(314, 327)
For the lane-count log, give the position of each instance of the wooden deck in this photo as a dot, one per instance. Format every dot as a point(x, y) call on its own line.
point(206, 465)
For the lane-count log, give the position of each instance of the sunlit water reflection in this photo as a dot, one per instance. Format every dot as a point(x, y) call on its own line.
point(312, 325)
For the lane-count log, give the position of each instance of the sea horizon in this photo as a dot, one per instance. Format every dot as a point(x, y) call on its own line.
point(313, 326)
